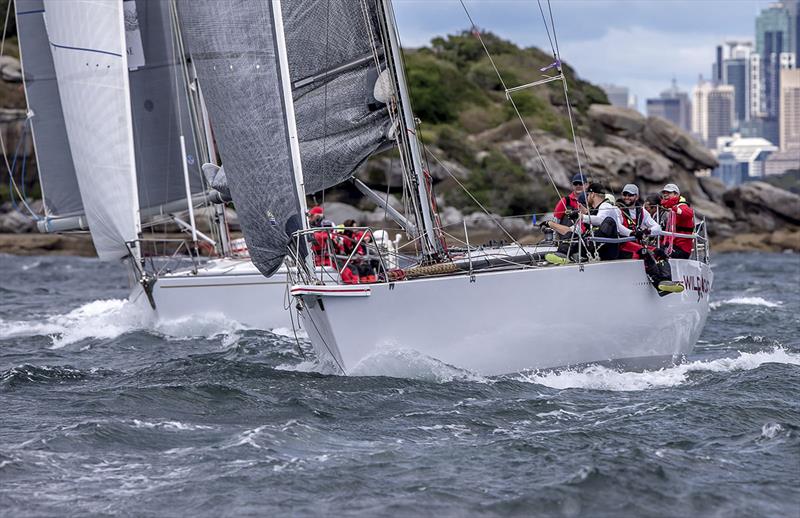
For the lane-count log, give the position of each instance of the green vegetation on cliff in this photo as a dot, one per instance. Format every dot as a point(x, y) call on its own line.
point(457, 95)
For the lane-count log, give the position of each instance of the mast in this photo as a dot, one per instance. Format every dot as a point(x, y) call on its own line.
point(291, 122)
point(406, 134)
point(201, 127)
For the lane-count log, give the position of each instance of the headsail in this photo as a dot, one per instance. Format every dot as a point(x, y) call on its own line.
point(232, 45)
point(335, 58)
point(53, 157)
point(87, 41)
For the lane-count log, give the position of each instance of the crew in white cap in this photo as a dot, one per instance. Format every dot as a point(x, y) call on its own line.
point(635, 218)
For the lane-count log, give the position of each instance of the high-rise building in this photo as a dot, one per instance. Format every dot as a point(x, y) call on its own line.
point(775, 45)
point(673, 105)
point(736, 71)
point(793, 7)
point(790, 110)
point(712, 111)
point(619, 96)
point(717, 73)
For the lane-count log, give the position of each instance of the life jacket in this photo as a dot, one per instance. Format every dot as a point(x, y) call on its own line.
point(569, 203)
point(674, 225)
point(634, 222)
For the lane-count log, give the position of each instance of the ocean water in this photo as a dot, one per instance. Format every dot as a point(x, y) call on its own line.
point(103, 411)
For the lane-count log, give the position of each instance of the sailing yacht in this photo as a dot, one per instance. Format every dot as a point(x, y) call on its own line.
point(120, 133)
point(301, 93)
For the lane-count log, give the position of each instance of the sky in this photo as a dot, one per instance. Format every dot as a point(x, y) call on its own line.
point(641, 44)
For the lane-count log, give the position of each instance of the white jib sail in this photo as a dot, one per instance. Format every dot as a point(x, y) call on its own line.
point(87, 39)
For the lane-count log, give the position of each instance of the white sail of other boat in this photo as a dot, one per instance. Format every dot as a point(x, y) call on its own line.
point(119, 147)
point(87, 39)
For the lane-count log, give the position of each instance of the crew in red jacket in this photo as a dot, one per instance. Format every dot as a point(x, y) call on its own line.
point(570, 203)
point(680, 220)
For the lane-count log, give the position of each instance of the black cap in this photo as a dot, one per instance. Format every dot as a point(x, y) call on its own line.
point(596, 188)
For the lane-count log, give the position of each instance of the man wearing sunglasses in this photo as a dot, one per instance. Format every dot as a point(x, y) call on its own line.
point(635, 218)
point(567, 207)
point(680, 220)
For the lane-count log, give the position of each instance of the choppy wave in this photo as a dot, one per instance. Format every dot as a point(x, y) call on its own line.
point(746, 301)
point(111, 318)
point(597, 377)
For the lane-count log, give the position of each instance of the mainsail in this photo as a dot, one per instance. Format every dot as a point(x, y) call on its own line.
point(334, 66)
point(53, 157)
point(159, 105)
point(87, 40)
point(335, 59)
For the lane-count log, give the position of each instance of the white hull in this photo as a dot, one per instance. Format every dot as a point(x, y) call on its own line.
point(232, 288)
point(509, 321)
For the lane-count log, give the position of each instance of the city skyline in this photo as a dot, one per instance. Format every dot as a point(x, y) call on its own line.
point(674, 39)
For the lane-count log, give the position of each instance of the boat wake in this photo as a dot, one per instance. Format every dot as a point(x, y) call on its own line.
point(111, 318)
point(411, 364)
point(746, 301)
point(596, 377)
point(391, 363)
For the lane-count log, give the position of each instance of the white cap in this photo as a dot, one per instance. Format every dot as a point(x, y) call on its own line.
point(671, 187)
point(631, 189)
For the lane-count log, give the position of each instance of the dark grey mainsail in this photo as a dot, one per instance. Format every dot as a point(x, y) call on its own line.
point(54, 158)
point(232, 45)
point(159, 106)
point(335, 57)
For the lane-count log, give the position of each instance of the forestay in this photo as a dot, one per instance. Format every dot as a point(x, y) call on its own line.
point(87, 41)
point(232, 45)
point(53, 157)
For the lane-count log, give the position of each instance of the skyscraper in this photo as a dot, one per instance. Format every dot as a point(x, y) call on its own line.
point(712, 111)
point(736, 71)
point(673, 105)
point(776, 41)
point(790, 110)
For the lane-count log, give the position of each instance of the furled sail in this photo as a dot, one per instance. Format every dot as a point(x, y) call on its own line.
point(87, 41)
point(53, 157)
point(233, 47)
point(159, 105)
point(335, 60)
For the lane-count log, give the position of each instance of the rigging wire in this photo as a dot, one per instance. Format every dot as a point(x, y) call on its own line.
point(477, 34)
point(563, 82)
point(9, 166)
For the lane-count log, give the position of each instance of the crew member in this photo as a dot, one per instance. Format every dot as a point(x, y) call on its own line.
point(605, 220)
point(316, 218)
point(567, 207)
point(636, 219)
point(323, 245)
point(680, 220)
